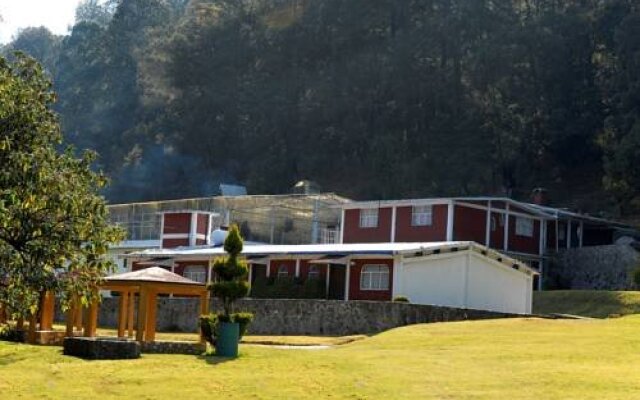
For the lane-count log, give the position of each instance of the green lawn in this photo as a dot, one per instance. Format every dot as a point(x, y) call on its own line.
point(587, 303)
point(498, 359)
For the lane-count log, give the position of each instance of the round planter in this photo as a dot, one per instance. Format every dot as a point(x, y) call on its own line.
point(227, 340)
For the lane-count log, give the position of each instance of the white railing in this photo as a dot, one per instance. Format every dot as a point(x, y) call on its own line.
point(329, 236)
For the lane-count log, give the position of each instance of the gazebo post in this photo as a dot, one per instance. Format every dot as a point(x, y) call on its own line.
point(47, 311)
point(142, 314)
point(130, 310)
point(152, 306)
point(91, 323)
point(123, 303)
point(31, 335)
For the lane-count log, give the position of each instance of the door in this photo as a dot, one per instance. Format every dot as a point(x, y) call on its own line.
point(259, 272)
point(336, 282)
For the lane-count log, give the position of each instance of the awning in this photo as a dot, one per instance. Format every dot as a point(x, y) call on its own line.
point(343, 260)
point(157, 262)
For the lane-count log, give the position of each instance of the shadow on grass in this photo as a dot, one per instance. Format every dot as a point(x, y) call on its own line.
point(215, 360)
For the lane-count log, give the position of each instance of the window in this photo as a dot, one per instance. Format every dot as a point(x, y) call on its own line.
point(524, 227)
point(314, 273)
point(374, 277)
point(369, 218)
point(283, 272)
point(421, 215)
point(196, 273)
point(493, 223)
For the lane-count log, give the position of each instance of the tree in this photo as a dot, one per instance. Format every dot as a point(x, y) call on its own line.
point(232, 272)
point(54, 231)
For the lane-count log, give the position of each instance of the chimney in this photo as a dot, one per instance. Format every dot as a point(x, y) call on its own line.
point(539, 196)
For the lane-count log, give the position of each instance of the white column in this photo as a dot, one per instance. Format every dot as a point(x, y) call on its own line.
point(326, 282)
point(209, 271)
point(487, 234)
point(250, 274)
point(465, 300)
point(450, 210)
point(347, 279)
point(297, 267)
point(568, 235)
point(210, 225)
point(581, 233)
point(161, 229)
point(342, 225)
point(396, 283)
point(543, 235)
point(505, 245)
point(557, 234)
point(194, 229)
point(393, 224)
point(268, 268)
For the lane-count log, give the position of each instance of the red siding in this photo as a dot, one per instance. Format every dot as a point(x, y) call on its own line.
point(497, 234)
point(524, 244)
point(354, 234)
point(200, 242)
point(275, 264)
point(203, 224)
point(551, 234)
point(437, 231)
point(177, 223)
point(169, 243)
point(354, 282)
point(304, 270)
point(469, 224)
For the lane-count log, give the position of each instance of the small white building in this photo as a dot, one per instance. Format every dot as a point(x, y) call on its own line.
point(455, 274)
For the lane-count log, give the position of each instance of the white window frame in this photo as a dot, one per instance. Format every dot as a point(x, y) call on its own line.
point(524, 227)
point(198, 276)
point(375, 277)
point(422, 215)
point(314, 272)
point(283, 272)
point(369, 217)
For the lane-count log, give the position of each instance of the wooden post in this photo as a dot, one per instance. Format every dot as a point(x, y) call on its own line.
point(71, 313)
point(152, 306)
point(91, 322)
point(20, 324)
point(123, 303)
point(47, 311)
point(130, 310)
point(33, 320)
point(142, 314)
point(3, 314)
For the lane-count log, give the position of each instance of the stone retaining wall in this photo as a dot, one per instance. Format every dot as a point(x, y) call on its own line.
point(597, 267)
point(304, 317)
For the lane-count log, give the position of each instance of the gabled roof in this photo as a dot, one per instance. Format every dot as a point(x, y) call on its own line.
point(152, 274)
point(316, 251)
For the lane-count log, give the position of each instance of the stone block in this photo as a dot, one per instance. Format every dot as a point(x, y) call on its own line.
point(101, 348)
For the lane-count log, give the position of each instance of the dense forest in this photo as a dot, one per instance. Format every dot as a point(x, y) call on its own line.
point(370, 98)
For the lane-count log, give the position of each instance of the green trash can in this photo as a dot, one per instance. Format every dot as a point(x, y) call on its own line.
point(227, 340)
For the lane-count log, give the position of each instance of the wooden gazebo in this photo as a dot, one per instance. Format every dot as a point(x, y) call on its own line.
point(147, 283)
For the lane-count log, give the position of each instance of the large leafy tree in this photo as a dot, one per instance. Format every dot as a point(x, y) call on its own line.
point(54, 230)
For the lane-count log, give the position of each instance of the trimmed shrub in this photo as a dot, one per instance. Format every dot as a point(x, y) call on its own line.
point(401, 299)
point(10, 333)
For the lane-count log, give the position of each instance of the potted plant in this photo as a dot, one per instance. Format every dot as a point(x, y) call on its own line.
point(231, 284)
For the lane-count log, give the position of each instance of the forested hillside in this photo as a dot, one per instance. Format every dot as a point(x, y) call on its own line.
point(370, 98)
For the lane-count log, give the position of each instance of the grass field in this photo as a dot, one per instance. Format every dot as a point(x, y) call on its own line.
point(587, 303)
point(497, 359)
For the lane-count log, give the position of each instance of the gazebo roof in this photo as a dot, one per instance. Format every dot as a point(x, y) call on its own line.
point(151, 275)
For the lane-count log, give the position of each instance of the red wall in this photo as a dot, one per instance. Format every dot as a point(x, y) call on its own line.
point(436, 232)
point(354, 234)
point(524, 244)
point(354, 282)
point(203, 224)
point(275, 264)
point(469, 224)
point(177, 223)
point(304, 270)
point(180, 266)
point(170, 243)
point(497, 235)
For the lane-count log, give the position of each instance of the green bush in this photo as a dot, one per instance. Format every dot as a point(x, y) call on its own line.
point(635, 277)
point(288, 288)
point(401, 299)
point(209, 324)
point(10, 333)
point(243, 319)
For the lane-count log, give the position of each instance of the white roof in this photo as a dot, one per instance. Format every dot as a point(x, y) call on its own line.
point(346, 249)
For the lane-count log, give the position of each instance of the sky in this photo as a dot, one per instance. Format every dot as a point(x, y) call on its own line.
point(57, 15)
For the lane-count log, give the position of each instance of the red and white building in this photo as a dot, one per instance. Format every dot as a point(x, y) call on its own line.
point(528, 232)
point(449, 273)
